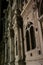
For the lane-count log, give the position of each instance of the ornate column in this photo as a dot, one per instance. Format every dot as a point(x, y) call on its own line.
point(21, 51)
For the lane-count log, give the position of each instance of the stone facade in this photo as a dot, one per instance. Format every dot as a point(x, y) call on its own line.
point(24, 33)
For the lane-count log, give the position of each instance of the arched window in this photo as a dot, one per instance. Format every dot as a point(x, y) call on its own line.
point(30, 37)
point(32, 34)
point(12, 43)
point(27, 40)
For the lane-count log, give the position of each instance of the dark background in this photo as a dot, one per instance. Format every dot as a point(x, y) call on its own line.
point(3, 5)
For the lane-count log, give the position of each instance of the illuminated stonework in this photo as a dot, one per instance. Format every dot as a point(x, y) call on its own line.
point(24, 43)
